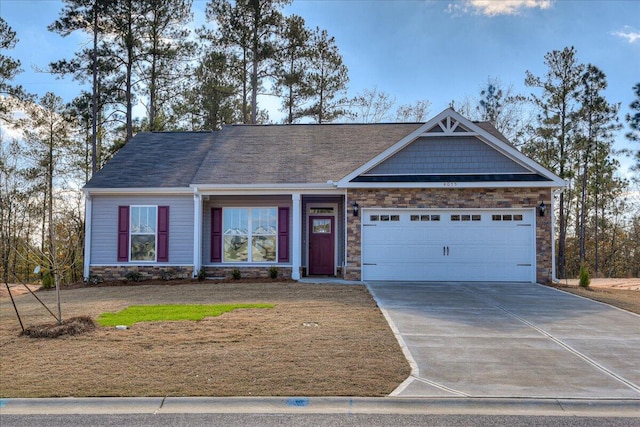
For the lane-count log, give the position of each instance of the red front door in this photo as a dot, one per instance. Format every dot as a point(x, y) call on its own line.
point(321, 245)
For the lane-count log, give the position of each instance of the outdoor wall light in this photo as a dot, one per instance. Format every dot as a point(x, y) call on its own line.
point(542, 208)
point(355, 208)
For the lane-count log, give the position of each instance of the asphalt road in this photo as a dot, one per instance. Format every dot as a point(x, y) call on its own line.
point(316, 420)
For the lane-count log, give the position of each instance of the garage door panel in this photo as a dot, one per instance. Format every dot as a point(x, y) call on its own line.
point(460, 246)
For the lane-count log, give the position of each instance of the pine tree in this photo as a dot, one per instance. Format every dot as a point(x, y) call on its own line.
point(164, 54)
point(247, 31)
point(291, 65)
point(633, 119)
point(328, 78)
point(557, 124)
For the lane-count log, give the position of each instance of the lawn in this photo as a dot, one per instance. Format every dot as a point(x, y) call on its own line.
point(317, 340)
point(169, 312)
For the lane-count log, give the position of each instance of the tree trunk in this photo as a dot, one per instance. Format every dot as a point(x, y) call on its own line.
point(583, 207)
point(129, 41)
point(94, 95)
point(52, 243)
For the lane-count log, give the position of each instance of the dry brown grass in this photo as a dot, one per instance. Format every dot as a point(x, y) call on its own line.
point(622, 298)
point(280, 351)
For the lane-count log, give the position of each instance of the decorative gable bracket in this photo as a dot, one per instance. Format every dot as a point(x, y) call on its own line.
point(448, 126)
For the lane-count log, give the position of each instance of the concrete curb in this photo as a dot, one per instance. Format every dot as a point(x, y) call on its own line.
point(322, 405)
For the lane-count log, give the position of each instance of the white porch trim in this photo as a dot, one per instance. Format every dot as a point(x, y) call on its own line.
point(88, 205)
point(197, 232)
point(296, 235)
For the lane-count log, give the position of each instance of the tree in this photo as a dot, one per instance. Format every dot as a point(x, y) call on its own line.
point(372, 106)
point(248, 30)
point(416, 112)
point(89, 16)
point(213, 100)
point(501, 106)
point(633, 119)
point(328, 78)
point(595, 138)
point(164, 54)
point(291, 65)
point(9, 69)
point(557, 124)
point(47, 133)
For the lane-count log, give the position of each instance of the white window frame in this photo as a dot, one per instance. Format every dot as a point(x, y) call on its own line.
point(250, 235)
point(154, 234)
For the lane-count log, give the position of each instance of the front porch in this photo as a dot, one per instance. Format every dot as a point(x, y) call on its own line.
point(301, 234)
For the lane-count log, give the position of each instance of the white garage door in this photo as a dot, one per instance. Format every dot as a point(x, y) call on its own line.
point(455, 245)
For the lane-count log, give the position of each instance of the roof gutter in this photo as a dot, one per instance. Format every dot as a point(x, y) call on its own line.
point(138, 190)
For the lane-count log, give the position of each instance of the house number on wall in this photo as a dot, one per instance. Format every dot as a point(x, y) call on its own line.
point(450, 184)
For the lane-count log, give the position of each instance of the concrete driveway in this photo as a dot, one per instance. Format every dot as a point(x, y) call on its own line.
point(511, 340)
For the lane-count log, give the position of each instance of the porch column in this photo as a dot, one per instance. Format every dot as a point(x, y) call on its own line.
point(296, 236)
point(197, 232)
point(88, 204)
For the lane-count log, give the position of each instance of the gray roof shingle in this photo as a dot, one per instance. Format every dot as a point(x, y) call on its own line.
point(155, 159)
point(285, 154)
point(251, 154)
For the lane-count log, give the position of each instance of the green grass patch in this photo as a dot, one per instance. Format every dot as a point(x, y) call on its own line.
point(168, 312)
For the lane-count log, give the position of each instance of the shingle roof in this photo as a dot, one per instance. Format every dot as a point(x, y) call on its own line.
point(158, 159)
point(281, 154)
point(251, 154)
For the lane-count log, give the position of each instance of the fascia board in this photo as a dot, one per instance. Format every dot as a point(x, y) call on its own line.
point(137, 191)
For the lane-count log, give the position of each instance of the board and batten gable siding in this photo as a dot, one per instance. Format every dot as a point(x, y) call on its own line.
point(238, 202)
point(447, 155)
point(104, 221)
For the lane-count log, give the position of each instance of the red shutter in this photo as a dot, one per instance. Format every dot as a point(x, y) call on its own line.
point(123, 233)
point(216, 234)
point(283, 234)
point(163, 234)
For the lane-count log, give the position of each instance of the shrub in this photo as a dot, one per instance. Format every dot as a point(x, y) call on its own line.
point(273, 272)
point(135, 276)
point(235, 274)
point(585, 279)
point(167, 275)
point(201, 274)
point(47, 280)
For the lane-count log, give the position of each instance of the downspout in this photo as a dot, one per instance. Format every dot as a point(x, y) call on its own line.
point(197, 231)
point(88, 205)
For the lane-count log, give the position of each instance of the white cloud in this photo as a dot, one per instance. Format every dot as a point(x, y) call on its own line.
point(497, 7)
point(628, 33)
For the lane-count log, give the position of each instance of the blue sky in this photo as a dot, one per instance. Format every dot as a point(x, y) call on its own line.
point(439, 50)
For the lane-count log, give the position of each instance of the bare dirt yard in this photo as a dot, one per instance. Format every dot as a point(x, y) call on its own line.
point(318, 340)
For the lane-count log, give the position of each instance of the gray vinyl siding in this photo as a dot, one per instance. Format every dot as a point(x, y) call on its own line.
point(239, 202)
point(104, 221)
point(447, 155)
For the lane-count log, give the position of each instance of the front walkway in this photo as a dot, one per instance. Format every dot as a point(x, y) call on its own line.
point(512, 340)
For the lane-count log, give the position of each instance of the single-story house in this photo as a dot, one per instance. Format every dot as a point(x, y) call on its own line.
point(445, 200)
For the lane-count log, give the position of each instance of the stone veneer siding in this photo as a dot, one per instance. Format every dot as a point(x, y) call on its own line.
point(452, 198)
point(154, 272)
point(147, 272)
